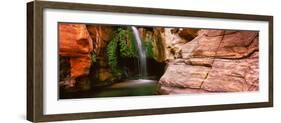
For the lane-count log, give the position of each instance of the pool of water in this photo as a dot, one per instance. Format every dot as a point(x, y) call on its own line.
point(140, 87)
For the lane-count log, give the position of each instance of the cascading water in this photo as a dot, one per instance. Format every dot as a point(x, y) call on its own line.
point(141, 52)
point(142, 86)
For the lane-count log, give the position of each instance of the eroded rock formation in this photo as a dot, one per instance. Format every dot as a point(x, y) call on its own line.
point(101, 36)
point(76, 44)
point(167, 42)
point(215, 61)
point(201, 61)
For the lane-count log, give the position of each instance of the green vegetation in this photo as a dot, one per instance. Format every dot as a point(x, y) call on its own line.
point(126, 42)
point(122, 40)
point(148, 46)
point(112, 57)
point(123, 45)
point(94, 58)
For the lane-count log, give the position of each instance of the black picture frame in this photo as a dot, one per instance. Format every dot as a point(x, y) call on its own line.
point(35, 60)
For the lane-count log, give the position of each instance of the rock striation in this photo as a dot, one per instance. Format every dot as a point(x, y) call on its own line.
point(75, 44)
point(101, 36)
point(214, 61)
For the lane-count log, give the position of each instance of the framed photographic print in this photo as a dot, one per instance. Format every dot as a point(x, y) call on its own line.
point(97, 61)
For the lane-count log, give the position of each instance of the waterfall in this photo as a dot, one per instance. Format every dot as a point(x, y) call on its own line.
point(141, 52)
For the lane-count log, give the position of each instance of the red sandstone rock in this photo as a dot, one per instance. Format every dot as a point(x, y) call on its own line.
point(183, 76)
point(101, 35)
point(80, 66)
point(212, 33)
point(74, 40)
point(175, 90)
point(207, 46)
point(232, 75)
point(231, 45)
point(237, 45)
point(188, 33)
point(214, 61)
point(75, 43)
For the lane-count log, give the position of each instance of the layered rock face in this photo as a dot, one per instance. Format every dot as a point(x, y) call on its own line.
point(101, 36)
point(167, 42)
point(173, 39)
point(75, 44)
point(78, 43)
point(153, 36)
point(214, 61)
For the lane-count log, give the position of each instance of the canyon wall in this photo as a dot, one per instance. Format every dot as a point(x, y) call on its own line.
point(81, 45)
point(214, 61)
point(75, 46)
point(197, 61)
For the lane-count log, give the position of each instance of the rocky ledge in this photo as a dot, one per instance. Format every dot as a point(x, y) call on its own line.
point(214, 61)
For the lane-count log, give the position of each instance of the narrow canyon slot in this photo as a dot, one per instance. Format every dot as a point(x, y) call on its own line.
point(116, 61)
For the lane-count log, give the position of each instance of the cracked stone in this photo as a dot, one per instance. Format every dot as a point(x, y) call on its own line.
point(182, 76)
point(215, 61)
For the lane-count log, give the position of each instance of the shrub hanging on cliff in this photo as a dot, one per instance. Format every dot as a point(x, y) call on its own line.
point(111, 51)
point(126, 42)
point(94, 58)
point(122, 43)
point(149, 49)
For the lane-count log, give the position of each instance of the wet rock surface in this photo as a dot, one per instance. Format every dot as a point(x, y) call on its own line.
point(214, 61)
